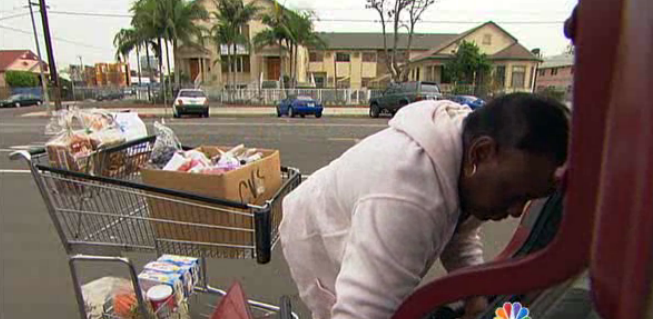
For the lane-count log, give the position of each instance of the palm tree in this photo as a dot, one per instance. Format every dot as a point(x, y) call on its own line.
point(276, 34)
point(125, 41)
point(232, 17)
point(299, 28)
point(180, 26)
point(149, 19)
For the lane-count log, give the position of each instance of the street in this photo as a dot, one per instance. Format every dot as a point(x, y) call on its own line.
point(33, 266)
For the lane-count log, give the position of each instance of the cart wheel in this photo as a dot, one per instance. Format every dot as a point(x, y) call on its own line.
point(285, 308)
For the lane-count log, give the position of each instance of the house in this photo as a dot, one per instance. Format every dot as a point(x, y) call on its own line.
point(358, 59)
point(19, 60)
point(250, 67)
point(557, 72)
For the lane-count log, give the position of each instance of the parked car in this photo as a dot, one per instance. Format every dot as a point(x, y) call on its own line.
point(469, 100)
point(399, 95)
point(191, 101)
point(19, 100)
point(110, 95)
point(299, 105)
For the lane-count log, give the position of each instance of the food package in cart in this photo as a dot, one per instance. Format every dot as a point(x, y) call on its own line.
point(168, 268)
point(70, 148)
point(149, 278)
point(190, 263)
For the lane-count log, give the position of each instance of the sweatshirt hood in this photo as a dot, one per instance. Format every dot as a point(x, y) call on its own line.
point(437, 127)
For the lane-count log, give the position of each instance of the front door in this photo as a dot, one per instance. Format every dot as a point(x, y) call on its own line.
point(274, 68)
point(194, 69)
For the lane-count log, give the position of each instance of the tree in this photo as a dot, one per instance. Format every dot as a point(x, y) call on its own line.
point(276, 34)
point(232, 17)
point(468, 65)
point(299, 29)
point(125, 41)
point(20, 79)
point(180, 25)
point(393, 12)
point(147, 20)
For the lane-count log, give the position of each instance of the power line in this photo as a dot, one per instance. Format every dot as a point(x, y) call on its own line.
point(56, 38)
point(15, 16)
point(91, 14)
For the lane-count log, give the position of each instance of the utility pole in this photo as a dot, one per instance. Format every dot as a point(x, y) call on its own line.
point(44, 84)
point(48, 46)
point(83, 76)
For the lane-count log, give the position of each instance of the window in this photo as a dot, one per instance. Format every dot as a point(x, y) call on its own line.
point(191, 94)
point(541, 72)
point(239, 64)
point(342, 57)
point(369, 56)
point(343, 84)
point(518, 76)
point(316, 56)
point(500, 75)
point(320, 80)
point(554, 71)
point(487, 39)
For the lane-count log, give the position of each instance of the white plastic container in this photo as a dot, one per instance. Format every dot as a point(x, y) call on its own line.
point(162, 301)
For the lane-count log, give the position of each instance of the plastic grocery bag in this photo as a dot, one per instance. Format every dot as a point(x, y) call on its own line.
point(165, 146)
point(131, 125)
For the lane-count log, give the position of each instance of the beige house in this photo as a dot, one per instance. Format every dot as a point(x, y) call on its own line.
point(251, 66)
point(358, 59)
point(514, 66)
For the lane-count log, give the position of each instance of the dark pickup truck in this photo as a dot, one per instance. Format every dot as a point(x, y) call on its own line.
point(399, 95)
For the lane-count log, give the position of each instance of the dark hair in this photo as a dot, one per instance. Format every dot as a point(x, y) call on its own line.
point(523, 121)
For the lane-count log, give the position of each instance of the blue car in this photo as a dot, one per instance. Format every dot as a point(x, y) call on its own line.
point(469, 100)
point(299, 105)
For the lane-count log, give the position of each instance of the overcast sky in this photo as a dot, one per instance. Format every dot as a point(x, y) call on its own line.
point(536, 23)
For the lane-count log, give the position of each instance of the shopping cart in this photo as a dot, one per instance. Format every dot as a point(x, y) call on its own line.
point(111, 209)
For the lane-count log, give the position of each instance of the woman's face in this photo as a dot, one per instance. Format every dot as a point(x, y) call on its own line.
point(504, 181)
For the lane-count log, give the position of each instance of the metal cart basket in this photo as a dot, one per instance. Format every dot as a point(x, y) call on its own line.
point(111, 208)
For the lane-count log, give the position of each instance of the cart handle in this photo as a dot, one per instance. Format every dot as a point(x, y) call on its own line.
point(78, 288)
point(26, 154)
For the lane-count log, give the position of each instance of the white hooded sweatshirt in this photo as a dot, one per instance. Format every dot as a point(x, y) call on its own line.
point(360, 234)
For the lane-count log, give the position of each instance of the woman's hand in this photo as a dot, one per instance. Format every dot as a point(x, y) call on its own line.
point(474, 306)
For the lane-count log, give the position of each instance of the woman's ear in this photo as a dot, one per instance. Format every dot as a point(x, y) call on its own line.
point(482, 149)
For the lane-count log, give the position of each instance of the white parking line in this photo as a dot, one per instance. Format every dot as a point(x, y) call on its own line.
point(14, 171)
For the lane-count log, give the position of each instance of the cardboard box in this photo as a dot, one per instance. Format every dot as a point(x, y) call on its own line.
point(254, 183)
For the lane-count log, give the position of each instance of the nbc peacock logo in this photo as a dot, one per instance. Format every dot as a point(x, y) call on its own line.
point(512, 311)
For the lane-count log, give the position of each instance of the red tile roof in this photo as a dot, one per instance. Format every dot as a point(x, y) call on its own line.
point(7, 57)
